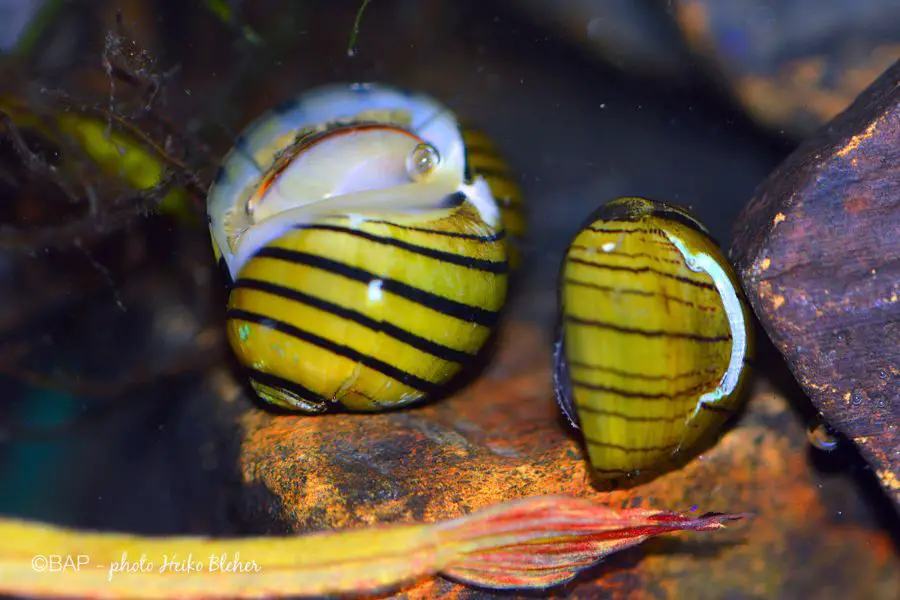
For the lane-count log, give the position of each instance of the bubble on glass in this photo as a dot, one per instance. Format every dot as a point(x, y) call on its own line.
point(423, 160)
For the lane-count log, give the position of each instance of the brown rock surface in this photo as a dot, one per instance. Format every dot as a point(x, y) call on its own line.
point(818, 249)
point(794, 64)
point(502, 438)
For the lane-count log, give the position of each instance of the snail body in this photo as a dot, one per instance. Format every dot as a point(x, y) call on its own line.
point(654, 336)
point(368, 263)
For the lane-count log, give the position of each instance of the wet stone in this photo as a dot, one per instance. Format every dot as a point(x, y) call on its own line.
point(817, 250)
point(503, 437)
point(793, 64)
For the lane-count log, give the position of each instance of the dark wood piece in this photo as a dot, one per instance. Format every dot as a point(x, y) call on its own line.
point(818, 250)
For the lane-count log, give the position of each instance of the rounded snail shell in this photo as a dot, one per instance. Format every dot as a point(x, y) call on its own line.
point(654, 337)
point(369, 264)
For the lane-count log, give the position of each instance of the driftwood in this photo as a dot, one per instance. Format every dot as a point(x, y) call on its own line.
point(818, 250)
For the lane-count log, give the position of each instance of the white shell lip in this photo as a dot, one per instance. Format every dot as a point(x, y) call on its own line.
point(255, 149)
point(702, 262)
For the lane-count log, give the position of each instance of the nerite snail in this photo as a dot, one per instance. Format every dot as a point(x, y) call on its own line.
point(654, 336)
point(368, 259)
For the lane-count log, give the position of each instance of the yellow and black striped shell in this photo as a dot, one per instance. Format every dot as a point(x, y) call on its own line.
point(368, 259)
point(486, 160)
point(655, 337)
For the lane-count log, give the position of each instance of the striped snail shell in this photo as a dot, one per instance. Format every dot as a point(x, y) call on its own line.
point(368, 261)
point(486, 160)
point(654, 337)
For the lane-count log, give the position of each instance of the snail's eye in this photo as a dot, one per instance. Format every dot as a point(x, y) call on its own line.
point(422, 161)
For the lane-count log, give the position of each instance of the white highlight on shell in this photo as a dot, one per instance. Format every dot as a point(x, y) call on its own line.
point(356, 220)
point(703, 262)
point(375, 292)
point(254, 238)
point(479, 193)
point(608, 246)
point(408, 397)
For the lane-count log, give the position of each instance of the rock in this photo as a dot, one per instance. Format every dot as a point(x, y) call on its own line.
point(794, 64)
point(818, 250)
point(502, 438)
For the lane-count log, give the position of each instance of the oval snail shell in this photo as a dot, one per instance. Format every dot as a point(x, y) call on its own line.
point(369, 260)
point(654, 337)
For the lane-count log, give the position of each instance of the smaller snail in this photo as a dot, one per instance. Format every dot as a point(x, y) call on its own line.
point(368, 258)
point(654, 336)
